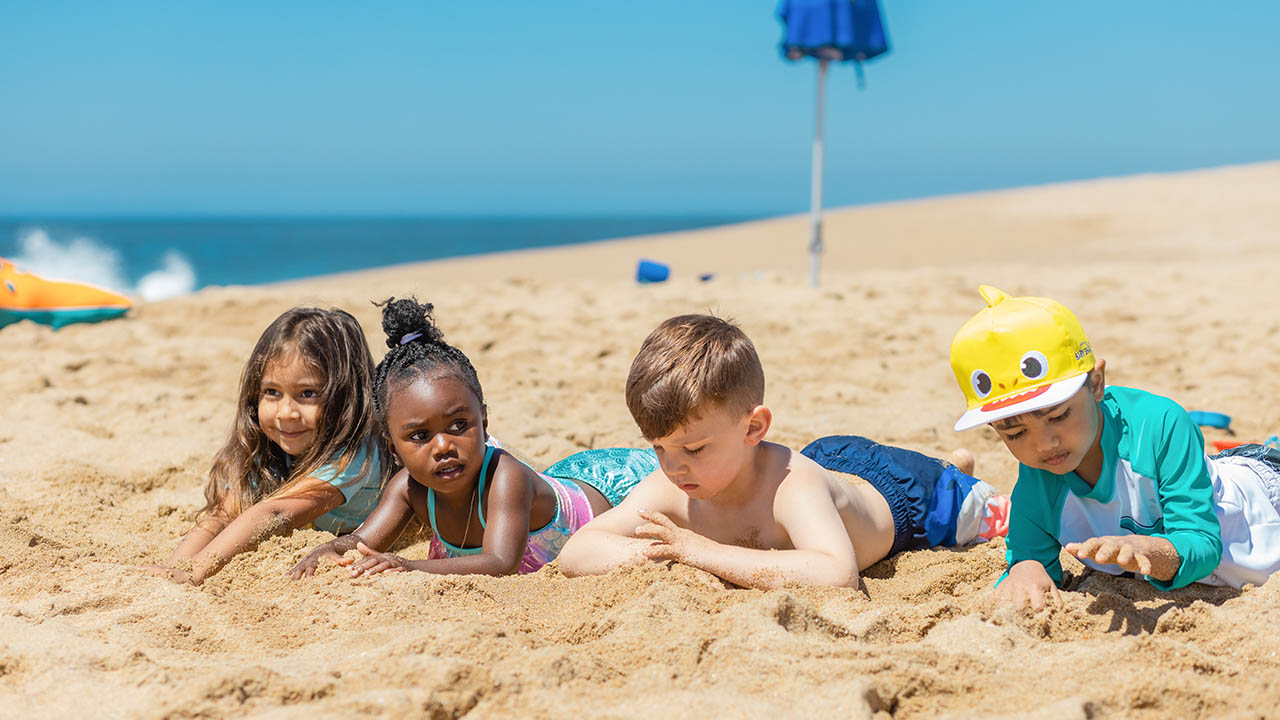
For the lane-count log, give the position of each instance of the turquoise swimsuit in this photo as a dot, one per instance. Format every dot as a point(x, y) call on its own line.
point(360, 487)
point(360, 490)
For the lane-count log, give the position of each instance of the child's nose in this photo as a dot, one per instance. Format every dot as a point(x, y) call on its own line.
point(441, 443)
point(671, 468)
point(1046, 441)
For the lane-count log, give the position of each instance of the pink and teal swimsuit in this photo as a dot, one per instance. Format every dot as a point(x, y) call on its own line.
point(573, 509)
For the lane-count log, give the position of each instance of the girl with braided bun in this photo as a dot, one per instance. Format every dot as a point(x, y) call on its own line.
point(490, 513)
point(304, 448)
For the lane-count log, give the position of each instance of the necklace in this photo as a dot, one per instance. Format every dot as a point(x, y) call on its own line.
point(470, 509)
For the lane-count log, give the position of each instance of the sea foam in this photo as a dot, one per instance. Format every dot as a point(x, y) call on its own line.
point(84, 259)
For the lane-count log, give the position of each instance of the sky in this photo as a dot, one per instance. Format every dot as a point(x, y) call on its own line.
point(596, 107)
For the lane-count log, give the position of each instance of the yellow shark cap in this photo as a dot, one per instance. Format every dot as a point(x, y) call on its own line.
point(1016, 355)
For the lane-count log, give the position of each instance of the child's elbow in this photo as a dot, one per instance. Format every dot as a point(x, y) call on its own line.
point(843, 574)
point(498, 566)
point(849, 580)
point(841, 578)
point(570, 561)
point(577, 557)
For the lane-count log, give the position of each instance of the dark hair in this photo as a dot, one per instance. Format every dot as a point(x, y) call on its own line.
point(250, 467)
point(417, 349)
point(686, 364)
point(1012, 420)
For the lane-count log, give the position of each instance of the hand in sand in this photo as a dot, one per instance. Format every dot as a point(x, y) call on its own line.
point(375, 562)
point(164, 571)
point(307, 567)
point(1136, 553)
point(1027, 581)
point(670, 541)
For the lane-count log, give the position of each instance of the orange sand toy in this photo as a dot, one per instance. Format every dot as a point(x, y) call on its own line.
point(24, 296)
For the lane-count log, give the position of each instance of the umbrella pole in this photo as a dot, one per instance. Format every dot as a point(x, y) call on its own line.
point(815, 182)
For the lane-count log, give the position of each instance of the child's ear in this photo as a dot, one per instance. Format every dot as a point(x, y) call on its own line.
point(758, 422)
point(1098, 380)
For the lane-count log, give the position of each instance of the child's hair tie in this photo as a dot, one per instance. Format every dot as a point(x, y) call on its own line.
point(410, 337)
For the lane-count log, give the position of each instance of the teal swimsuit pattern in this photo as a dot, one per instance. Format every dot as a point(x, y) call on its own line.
point(613, 471)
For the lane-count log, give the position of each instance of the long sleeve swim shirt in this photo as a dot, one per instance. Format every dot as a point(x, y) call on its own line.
point(1156, 480)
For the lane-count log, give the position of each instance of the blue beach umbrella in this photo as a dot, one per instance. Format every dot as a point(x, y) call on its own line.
point(828, 31)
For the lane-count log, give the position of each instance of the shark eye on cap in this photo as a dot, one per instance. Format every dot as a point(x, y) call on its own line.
point(981, 383)
point(1034, 365)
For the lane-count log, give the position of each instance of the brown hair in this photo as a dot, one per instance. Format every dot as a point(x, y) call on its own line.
point(250, 467)
point(688, 362)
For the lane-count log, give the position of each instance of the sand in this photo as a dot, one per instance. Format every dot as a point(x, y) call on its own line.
point(108, 430)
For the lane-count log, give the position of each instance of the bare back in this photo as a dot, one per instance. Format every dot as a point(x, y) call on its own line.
point(754, 512)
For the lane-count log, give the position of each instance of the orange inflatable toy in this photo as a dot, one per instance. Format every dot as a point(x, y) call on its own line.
point(24, 296)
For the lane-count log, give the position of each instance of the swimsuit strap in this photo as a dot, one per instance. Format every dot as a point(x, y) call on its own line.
point(484, 474)
point(431, 504)
point(431, 511)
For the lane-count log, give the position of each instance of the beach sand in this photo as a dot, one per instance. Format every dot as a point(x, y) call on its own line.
point(108, 430)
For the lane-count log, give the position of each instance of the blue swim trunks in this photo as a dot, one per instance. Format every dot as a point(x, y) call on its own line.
point(932, 502)
point(612, 471)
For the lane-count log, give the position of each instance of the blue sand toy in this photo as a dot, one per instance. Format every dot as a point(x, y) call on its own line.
point(649, 271)
point(652, 271)
point(1205, 418)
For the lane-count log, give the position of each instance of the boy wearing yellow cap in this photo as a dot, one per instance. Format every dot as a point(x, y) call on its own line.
point(1116, 476)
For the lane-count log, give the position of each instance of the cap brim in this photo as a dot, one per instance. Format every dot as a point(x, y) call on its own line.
point(1034, 399)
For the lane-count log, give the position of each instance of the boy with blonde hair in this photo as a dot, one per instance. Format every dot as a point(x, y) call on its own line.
point(1115, 476)
point(753, 512)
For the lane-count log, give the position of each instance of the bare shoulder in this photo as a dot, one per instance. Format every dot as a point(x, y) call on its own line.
point(400, 484)
point(808, 485)
point(508, 468)
point(805, 476)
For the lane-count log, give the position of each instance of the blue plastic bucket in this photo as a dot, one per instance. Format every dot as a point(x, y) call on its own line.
point(649, 271)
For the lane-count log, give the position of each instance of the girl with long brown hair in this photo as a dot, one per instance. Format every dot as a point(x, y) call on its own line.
point(304, 447)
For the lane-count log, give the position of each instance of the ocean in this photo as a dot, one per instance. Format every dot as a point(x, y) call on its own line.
point(154, 258)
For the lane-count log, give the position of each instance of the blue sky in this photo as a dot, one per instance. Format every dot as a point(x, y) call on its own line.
point(602, 107)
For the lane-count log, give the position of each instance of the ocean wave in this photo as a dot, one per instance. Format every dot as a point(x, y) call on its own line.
point(85, 260)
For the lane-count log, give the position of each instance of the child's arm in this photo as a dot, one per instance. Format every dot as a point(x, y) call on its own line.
point(1154, 557)
point(378, 531)
point(505, 536)
point(823, 554)
point(609, 540)
point(309, 499)
point(1026, 581)
point(1032, 552)
point(205, 530)
point(1189, 547)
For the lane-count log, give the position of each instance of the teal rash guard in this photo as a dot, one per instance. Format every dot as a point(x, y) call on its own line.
point(1156, 480)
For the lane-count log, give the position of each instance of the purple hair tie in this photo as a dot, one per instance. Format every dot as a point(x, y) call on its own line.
point(410, 337)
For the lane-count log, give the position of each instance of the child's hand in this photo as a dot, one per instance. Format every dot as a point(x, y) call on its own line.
point(1027, 581)
point(671, 542)
point(307, 567)
point(164, 571)
point(375, 562)
point(1151, 556)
